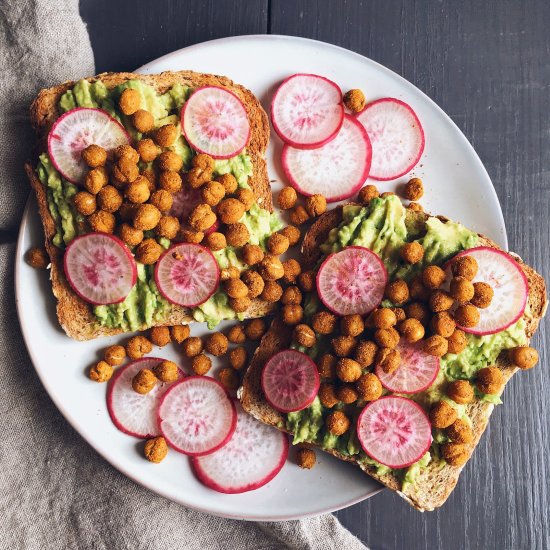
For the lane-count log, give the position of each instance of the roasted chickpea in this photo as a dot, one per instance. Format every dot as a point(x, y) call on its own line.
point(305, 458)
point(192, 346)
point(369, 387)
point(197, 177)
point(155, 449)
point(523, 357)
point(255, 329)
point(460, 391)
point(128, 152)
point(201, 364)
point(316, 205)
point(146, 217)
point(240, 305)
point(166, 135)
point(137, 191)
point(109, 198)
point(148, 252)
point(343, 345)
point(412, 253)
point(436, 345)
point(271, 268)
point(168, 160)
point(215, 241)
point(166, 371)
point(418, 291)
point(203, 161)
point(455, 454)
point(143, 121)
point(102, 222)
point(292, 295)
point(162, 200)
point(460, 432)
point(236, 334)
point(235, 288)
point(467, 315)
point(440, 300)
point(419, 311)
point(229, 183)
point(412, 330)
point(212, 193)
point(115, 355)
point(304, 335)
point(190, 236)
point(433, 277)
point(387, 194)
point(238, 358)
point(386, 337)
point(397, 292)
point(399, 313)
point(443, 324)
point(130, 235)
point(129, 101)
point(147, 150)
point(291, 269)
point(277, 244)
point(179, 333)
point(384, 318)
point(144, 381)
point(292, 314)
point(365, 353)
point(457, 341)
point(216, 344)
point(95, 179)
point(237, 234)
point(367, 193)
point(306, 280)
point(347, 394)
point(160, 336)
point(94, 156)
point(442, 415)
point(461, 290)
point(272, 292)
point(324, 322)
point(464, 266)
point(483, 295)
point(490, 380)
point(85, 203)
point(253, 282)
point(327, 395)
point(168, 227)
point(230, 272)
point(287, 198)
point(354, 100)
point(230, 210)
point(251, 254)
point(348, 370)
point(151, 177)
point(202, 217)
point(100, 372)
point(170, 181)
point(125, 170)
point(299, 215)
point(292, 234)
point(388, 359)
point(246, 196)
point(327, 366)
point(229, 378)
point(337, 423)
point(415, 207)
point(352, 325)
point(414, 189)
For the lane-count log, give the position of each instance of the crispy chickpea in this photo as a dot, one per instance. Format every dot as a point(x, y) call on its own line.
point(215, 241)
point(354, 100)
point(352, 325)
point(464, 266)
point(143, 121)
point(461, 290)
point(190, 236)
point(255, 329)
point(415, 207)
point(399, 313)
point(151, 177)
point(197, 177)
point(433, 277)
point(230, 210)
point(125, 170)
point(365, 353)
point(148, 252)
point(229, 378)
point(147, 150)
point(101, 372)
point(305, 458)
point(460, 391)
point(251, 254)
point(204, 161)
point(95, 179)
point(160, 336)
point(246, 196)
point(229, 183)
point(442, 415)
point(483, 295)
point(299, 215)
point(324, 322)
point(418, 291)
point(130, 235)
point(326, 366)
point(253, 282)
point(388, 359)
point(316, 205)
point(277, 244)
point(397, 292)
point(467, 315)
point(146, 217)
point(412, 330)
point(168, 227)
point(109, 198)
point(162, 200)
point(367, 193)
point(114, 355)
point(291, 295)
point(443, 324)
point(94, 156)
point(369, 387)
point(236, 334)
point(460, 432)
point(327, 395)
point(343, 345)
point(170, 181)
point(129, 101)
point(412, 253)
point(192, 346)
point(384, 318)
point(235, 288)
point(202, 217)
point(414, 189)
point(304, 335)
point(348, 370)
point(436, 345)
point(387, 194)
point(166, 371)
point(271, 268)
point(237, 234)
point(155, 449)
point(230, 272)
point(168, 160)
point(418, 311)
point(272, 292)
point(457, 341)
point(137, 191)
point(102, 222)
point(216, 344)
point(212, 193)
point(179, 333)
point(455, 454)
point(292, 234)
point(85, 203)
point(292, 314)
point(240, 305)
point(292, 270)
point(144, 381)
point(287, 198)
point(347, 394)
point(490, 380)
point(306, 280)
point(128, 152)
point(440, 300)
point(337, 423)
point(386, 337)
point(523, 357)
point(201, 364)
point(238, 358)
point(166, 135)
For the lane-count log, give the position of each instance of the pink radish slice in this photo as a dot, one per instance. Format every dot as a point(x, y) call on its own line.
point(416, 373)
point(133, 413)
point(214, 121)
point(196, 416)
point(396, 135)
point(74, 131)
point(187, 274)
point(352, 281)
point(290, 381)
point(253, 456)
point(336, 170)
point(100, 268)
point(307, 110)
point(394, 431)
point(510, 286)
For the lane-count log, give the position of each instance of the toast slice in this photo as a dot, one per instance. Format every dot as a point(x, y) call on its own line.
point(75, 315)
point(434, 483)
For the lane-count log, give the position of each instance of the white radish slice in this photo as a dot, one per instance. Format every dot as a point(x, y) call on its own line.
point(133, 413)
point(74, 131)
point(352, 281)
point(187, 274)
point(196, 416)
point(307, 110)
point(214, 121)
point(396, 135)
point(394, 431)
point(290, 381)
point(416, 373)
point(100, 268)
point(337, 170)
point(253, 456)
point(510, 286)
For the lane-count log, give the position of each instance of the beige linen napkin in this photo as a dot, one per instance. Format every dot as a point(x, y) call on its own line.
point(55, 491)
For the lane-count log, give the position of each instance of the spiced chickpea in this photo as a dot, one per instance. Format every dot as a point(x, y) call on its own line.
point(230, 272)
point(397, 292)
point(442, 415)
point(523, 357)
point(277, 244)
point(348, 370)
point(412, 253)
point(152, 179)
point(102, 222)
point(415, 207)
point(237, 234)
point(236, 334)
point(148, 252)
point(235, 288)
point(292, 270)
point(168, 227)
point(85, 203)
point(365, 353)
point(461, 290)
point(327, 395)
point(440, 300)
point(299, 215)
point(246, 196)
point(490, 380)
point(347, 394)
point(306, 280)
point(367, 193)
point(146, 217)
point(433, 277)
point(292, 314)
point(166, 135)
point(455, 454)
point(216, 344)
point(292, 234)
point(202, 217)
point(168, 160)
point(399, 313)
point(197, 177)
point(304, 335)
point(143, 121)
point(352, 325)
point(230, 210)
point(414, 189)
point(109, 199)
point(125, 170)
point(128, 152)
point(324, 322)
point(229, 378)
point(387, 194)
point(100, 372)
point(130, 235)
point(203, 161)
point(95, 179)
point(305, 458)
point(129, 101)
point(166, 371)
point(354, 100)
point(418, 291)
point(457, 341)
point(337, 423)
point(483, 295)
point(388, 359)
point(137, 191)
point(162, 200)
point(343, 345)
point(287, 198)
point(460, 391)
point(229, 183)
point(272, 292)
point(190, 236)
point(291, 295)
point(170, 181)
point(271, 268)
point(253, 282)
point(464, 266)
point(386, 337)
point(179, 333)
point(443, 324)
point(215, 241)
point(467, 315)
point(251, 254)
point(192, 346)
point(326, 366)
point(94, 156)
point(147, 150)
point(369, 387)
point(201, 364)
point(384, 318)
point(412, 330)
point(144, 381)
point(436, 345)
point(460, 432)
point(240, 305)
point(316, 205)
point(238, 358)
point(212, 193)
point(255, 329)
point(114, 355)
point(155, 450)
point(160, 336)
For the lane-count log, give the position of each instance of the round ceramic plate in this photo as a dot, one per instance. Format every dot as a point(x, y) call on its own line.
point(457, 186)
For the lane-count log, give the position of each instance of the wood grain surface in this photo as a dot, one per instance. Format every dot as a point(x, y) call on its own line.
point(486, 63)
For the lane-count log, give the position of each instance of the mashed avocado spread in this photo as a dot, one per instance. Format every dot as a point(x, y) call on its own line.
point(144, 306)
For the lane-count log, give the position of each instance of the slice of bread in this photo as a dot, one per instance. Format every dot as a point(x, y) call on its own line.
point(75, 315)
point(434, 483)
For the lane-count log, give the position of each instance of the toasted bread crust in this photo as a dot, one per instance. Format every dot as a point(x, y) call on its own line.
point(434, 484)
point(75, 315)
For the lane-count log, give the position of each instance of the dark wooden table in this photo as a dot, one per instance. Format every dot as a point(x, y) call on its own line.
point(487, 64)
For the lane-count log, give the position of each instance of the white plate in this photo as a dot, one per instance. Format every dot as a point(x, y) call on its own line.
point(456, 185)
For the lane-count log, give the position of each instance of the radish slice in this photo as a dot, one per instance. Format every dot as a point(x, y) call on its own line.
point(252, 457)
point(396, 135)
point(416, 373)
point(394, 431)
point(100, 268)
point(74, 131)
point(307, 110)
point(133, 413)
point(214, 121)
point(187, 274)
point(352, 281)
point(510, 286)
point(196, 416)
point(290, 381)
point(336, 170)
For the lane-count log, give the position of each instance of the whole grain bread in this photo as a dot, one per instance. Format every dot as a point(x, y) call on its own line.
point(75, 315)
point(434, 483)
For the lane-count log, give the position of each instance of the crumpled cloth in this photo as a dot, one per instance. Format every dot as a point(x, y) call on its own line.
point(55, 491)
